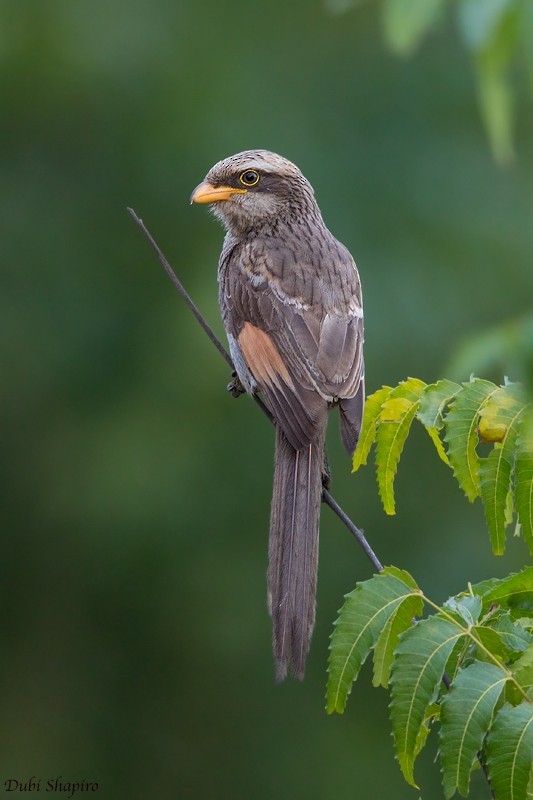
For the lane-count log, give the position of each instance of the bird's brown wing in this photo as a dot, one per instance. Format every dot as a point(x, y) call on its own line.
point(297, 320)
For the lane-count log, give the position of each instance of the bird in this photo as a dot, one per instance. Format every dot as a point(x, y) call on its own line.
point(291, 303)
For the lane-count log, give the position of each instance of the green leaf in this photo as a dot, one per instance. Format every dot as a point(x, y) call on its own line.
point(495, 484)
point(373, 405)
point(457, 657)
point(417, 671)
point(525, 622)
point(525, 660)
point(406, 22)
point(522, 669)
point(363, 616)
point(432, 713)
point(513, 635)
point(524, 479)
point(467, 606)
point(491, 641)
point(514, 591)
point(433, 402)
point(499, 421)
point(461, 433)
point(466, 716)
point(494, 587)
point(395, 421)
point(510, 751)
point(399, 621)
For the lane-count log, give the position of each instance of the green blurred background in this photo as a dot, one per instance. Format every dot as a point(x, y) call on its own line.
point(135, 642)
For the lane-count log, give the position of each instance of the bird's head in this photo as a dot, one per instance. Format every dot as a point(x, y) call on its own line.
point(254, 189)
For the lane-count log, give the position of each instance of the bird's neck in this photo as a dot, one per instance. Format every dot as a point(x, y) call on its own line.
point(288, 220)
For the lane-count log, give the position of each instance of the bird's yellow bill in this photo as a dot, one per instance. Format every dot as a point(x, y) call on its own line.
point(207, 193)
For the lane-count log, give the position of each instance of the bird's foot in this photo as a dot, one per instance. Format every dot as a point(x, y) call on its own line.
point(235, 388)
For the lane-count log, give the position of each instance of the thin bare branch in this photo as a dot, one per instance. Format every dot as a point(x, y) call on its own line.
point(181, 289)
point(328, 498)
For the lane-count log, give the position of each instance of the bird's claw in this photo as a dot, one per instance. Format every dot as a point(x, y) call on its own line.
point(235, 387)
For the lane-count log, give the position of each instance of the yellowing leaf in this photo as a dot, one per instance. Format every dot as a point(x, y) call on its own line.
point(496, 416)
point(396, 417)
point(458, 418)
point(461, 433)
point(503, 411)
point(435, 438)
point(372, 412)
point(394, 410)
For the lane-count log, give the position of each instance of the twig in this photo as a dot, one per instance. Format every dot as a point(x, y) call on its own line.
point(181, 289)
point(327, 497)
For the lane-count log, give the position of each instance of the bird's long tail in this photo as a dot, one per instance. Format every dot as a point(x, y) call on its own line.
point(293, 550)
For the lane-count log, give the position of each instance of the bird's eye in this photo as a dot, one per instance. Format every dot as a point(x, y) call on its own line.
point(249, 178)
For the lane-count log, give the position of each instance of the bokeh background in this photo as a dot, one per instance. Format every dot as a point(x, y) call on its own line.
point(134, 637)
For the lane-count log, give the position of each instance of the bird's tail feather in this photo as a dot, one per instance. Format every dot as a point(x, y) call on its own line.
point(293, 550)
